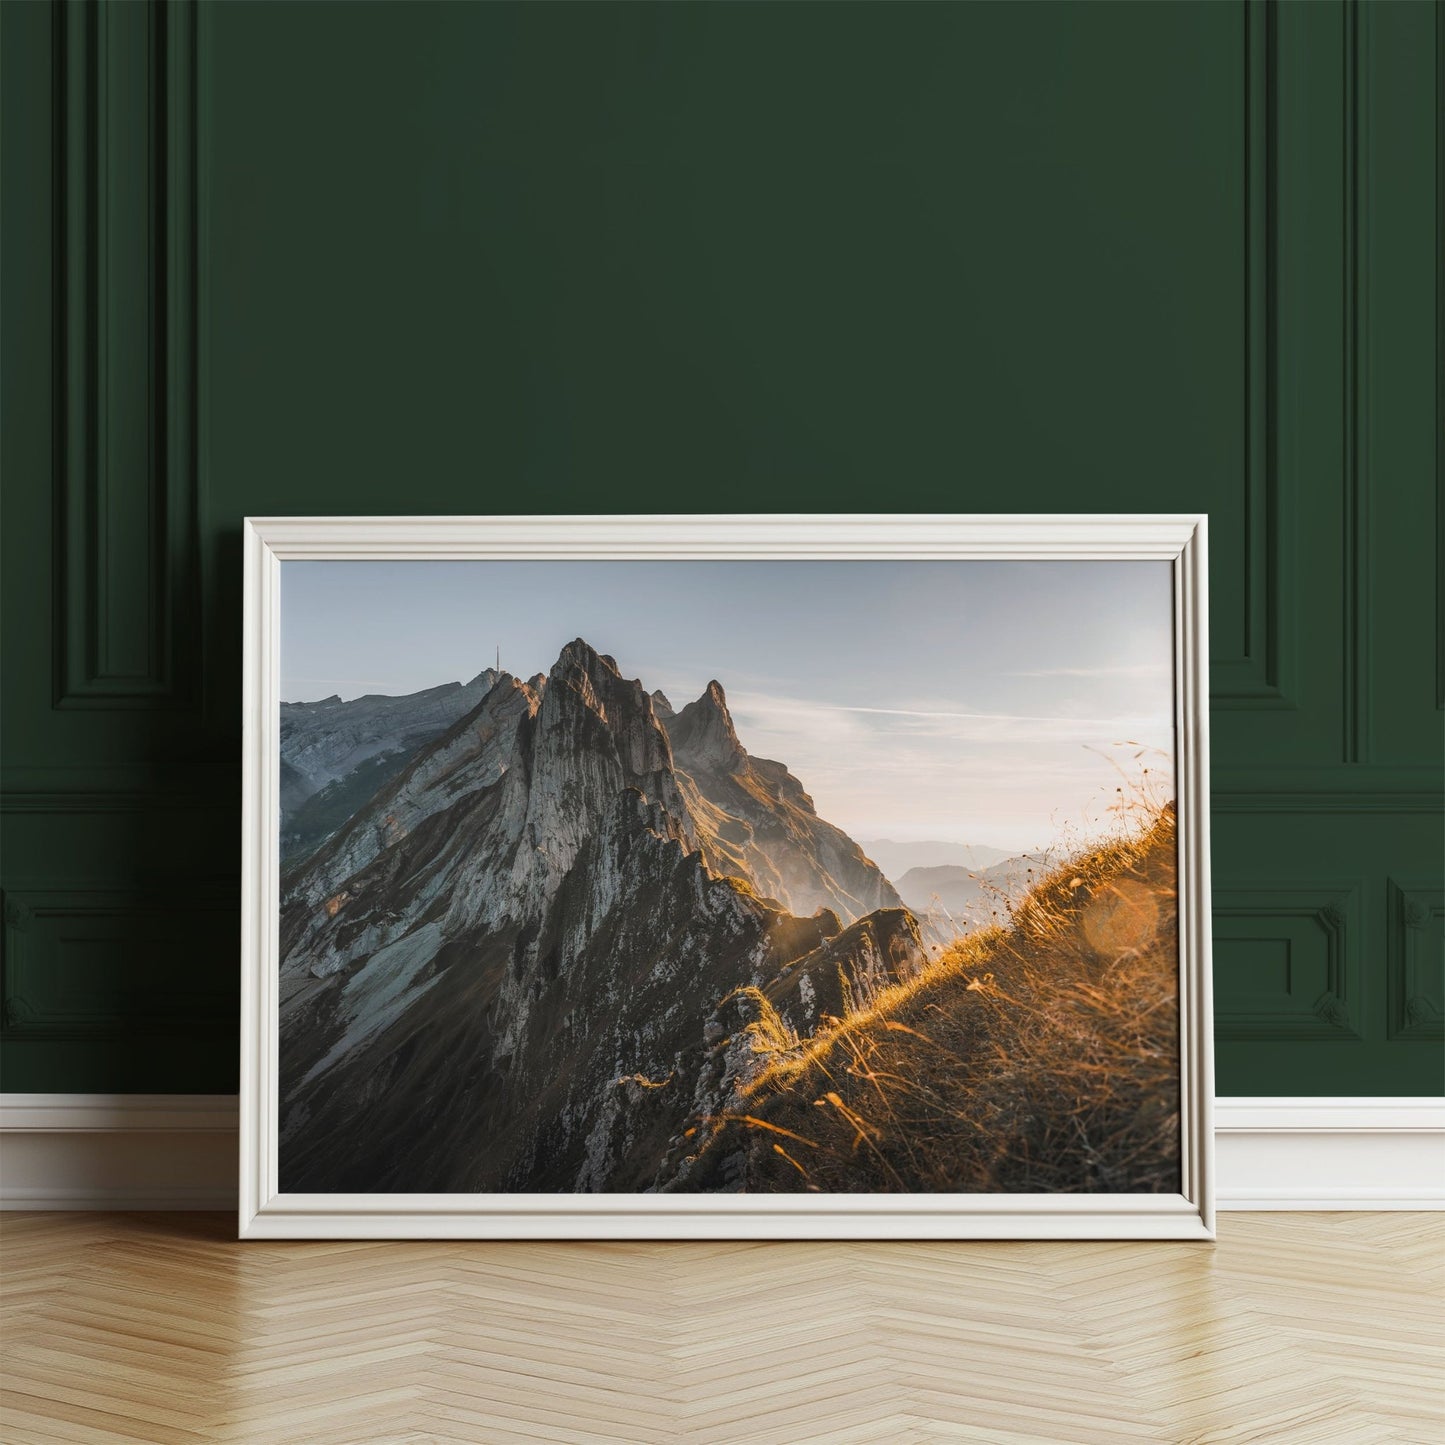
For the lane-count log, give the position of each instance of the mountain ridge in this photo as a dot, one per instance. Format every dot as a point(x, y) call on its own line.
point(896, 857)
point(335, 754)
point(531, 952)
point(763, 823)
point(954, 900)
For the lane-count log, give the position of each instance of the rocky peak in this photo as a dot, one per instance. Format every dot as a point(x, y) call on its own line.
point(592, 736)
point(703, 735)
point(662, 707)
point(588, 703)
point(580, 654)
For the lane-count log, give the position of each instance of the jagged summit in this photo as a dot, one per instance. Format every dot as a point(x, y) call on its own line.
point(579, 653)
point(704, 731)
point(662, 707)
point(582, 674)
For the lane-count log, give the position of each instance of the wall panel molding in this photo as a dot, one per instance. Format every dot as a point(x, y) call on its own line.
point(100, 802)
point(1354, 408)
point(109, 962)
point(233, 231)
point(126, 539)
point(1286, 962)
point(1260, 673)
point(84, 787)
point(1416, 960)
point(1367, 789)
point(1439, 48)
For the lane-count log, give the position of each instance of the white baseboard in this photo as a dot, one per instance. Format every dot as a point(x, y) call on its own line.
point(178, 1151)
point(118, 1151)
point(1317, 1153)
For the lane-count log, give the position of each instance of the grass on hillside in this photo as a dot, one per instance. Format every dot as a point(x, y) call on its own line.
point(1038, 1056)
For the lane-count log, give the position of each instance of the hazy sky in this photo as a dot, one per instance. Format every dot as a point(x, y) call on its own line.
point(952, 700)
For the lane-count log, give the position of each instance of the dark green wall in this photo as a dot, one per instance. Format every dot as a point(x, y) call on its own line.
point(497, 258)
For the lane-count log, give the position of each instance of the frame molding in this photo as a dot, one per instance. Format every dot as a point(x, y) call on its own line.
point(267, 1213)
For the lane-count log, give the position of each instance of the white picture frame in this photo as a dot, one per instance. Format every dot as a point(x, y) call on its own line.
point(267, 1213)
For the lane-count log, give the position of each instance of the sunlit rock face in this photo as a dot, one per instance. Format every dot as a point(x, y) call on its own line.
point(508, 970)
point(762, 824)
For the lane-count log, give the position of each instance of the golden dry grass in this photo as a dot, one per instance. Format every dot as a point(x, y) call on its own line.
point(1039, 1056)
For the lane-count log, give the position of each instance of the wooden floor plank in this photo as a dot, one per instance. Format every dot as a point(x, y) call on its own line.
point(1298, 1328)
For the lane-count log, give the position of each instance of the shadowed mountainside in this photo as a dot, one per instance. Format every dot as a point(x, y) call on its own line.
point(499, 974)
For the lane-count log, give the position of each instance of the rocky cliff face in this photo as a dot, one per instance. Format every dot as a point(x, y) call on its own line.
point(470, 755)
point(513, 968)
point(761, 823)
point(800, 1000)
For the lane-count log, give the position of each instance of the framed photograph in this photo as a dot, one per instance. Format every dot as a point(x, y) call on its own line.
point(710, 877)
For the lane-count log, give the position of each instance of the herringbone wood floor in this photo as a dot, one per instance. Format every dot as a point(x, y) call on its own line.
point(160, 1328)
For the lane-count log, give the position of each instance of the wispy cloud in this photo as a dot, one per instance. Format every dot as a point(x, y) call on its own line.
point(1112, 722)
point(797, 714)
point(1007, 778)
point(1121, 669)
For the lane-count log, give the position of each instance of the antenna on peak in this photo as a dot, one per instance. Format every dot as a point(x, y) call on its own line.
point(499, 657)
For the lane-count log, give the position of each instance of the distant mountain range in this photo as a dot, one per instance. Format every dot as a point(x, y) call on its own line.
point(335, 754)
point(950, 901)
point(895, 859)
point(955, 888)
point(549, 934)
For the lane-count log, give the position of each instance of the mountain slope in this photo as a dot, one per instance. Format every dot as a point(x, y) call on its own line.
point(761, 824)
point(1038, 1057)
point(511, 984)
point(471, 754)
point(346, 750)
